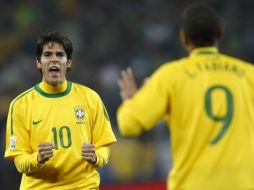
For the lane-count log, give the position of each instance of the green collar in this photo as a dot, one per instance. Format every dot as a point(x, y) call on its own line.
point(204, 51)
point(54, 95)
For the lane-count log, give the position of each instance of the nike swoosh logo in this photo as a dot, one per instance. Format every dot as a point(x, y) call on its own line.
point(37, 122)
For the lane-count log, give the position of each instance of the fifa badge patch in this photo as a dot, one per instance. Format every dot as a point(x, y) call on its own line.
point(79, 114)
point(12, 142)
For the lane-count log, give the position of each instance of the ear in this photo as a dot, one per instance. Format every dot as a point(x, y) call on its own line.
point(221, 32)
point(38, 64)
point(69, 63)
point(183, 38)
point(186, 42)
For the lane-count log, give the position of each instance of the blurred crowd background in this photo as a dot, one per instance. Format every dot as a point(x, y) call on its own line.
point(108, 36)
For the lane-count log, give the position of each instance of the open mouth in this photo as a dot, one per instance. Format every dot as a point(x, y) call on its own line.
point(54, 70)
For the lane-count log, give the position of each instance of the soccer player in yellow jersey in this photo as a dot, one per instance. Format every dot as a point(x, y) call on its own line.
point(58, 132)
point(208, 98)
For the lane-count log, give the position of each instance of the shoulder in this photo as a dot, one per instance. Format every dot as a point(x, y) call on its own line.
point(175, 64)
point(24, 96)
point(237, 60)
point(84, 90)
point(232, 58)
point(171, 68)
point(88, 95)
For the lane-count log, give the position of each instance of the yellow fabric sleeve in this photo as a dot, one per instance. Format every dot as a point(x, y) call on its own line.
point(27, 163)
point(102, 154)
point(127, 123)
point(148, 106)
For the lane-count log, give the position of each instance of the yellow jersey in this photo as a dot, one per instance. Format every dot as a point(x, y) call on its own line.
point(208, 99)
point(66, 119)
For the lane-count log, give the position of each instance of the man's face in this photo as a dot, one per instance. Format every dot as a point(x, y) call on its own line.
point(53, 63)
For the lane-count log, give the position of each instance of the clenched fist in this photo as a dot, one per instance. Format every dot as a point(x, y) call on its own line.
point(88, 153)
point(45, 152)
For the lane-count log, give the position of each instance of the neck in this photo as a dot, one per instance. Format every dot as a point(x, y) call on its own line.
point(53, 88)
point(192, 47)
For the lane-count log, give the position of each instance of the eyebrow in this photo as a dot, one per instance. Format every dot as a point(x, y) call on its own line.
point(57, 52)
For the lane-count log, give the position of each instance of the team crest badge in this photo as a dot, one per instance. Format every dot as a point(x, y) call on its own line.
point(79, 114)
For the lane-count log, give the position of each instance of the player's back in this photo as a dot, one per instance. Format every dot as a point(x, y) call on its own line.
point(211, 121)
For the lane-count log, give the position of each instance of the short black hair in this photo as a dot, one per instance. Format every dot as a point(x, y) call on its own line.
point(47, 37)
point(201, 24)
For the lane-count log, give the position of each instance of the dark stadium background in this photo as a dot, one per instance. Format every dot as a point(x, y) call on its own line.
point(109, 35)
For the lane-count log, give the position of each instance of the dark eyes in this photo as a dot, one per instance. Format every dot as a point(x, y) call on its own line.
point(47, 54)
point(61, 54)
point(58, 54)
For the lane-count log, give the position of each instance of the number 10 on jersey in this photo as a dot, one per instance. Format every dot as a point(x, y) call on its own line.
point(63, 135)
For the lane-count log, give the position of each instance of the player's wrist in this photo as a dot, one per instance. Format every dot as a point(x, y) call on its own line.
point(94, 160)
point(39, 159)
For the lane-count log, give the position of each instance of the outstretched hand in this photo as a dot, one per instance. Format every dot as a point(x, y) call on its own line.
point(127, 84)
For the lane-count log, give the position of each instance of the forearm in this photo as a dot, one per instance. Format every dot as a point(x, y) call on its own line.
point(127, 123)
point(102, 156)
point(27, 163)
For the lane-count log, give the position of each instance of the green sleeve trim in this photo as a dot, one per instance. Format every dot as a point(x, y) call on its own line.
point(105, 112)
point(21, 95)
